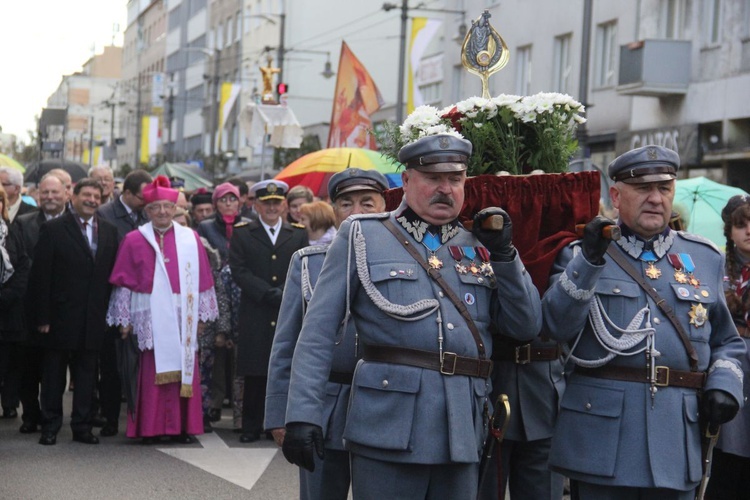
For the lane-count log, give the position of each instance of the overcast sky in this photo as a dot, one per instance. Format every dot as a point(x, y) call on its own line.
point(42, 40)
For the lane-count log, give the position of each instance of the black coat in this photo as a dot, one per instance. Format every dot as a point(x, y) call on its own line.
point(116, 213)
point(28, 225)
point(71, 286)
point(25, 208)
point(257, 267)
point(214, 230)
point(12, 321)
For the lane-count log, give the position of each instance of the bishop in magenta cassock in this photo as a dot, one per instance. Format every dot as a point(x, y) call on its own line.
point(163, 294)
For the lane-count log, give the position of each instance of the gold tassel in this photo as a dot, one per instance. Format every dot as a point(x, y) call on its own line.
point(186, 391)
point(168, 377)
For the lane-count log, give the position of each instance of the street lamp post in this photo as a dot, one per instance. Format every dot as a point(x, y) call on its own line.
point(402, 47)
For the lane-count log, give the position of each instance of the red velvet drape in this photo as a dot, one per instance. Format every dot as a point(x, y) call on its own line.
point(544, 209)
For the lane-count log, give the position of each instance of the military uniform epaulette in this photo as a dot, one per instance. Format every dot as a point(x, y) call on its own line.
point(378, 215)
point(699, 239)
point(242, 223)
point(298, 225)
point(312, 250)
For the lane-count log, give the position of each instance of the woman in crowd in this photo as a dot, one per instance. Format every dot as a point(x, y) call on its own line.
point(217, 230)
point(14, 274)
point(731, 462)
point(319, 221)
point(295, 198)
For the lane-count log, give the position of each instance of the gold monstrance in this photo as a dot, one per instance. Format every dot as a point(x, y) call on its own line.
point(484, 52)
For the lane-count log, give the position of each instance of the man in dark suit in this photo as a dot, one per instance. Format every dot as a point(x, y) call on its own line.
point(259, 256)
point(70, 274)
point(53, 199)
point(12, 181)
point(126, 212)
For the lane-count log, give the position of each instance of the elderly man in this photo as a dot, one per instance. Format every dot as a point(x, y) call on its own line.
point(53, 199)
point(259, 256)
point(164, 291)
point(352, 192)
point(104, 175)
point(72, 261)
point(12, 181)
point(422, 292)
point(654, 343)
point(126, 212)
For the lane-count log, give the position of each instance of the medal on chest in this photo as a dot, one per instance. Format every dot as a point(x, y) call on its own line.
point(698, 315)
point(687, 261)
point(432, 243)
point(651, 271)
point(680, 276)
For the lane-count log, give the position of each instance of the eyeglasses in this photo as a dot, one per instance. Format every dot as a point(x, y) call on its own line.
point(228, 199)
point(157, 207)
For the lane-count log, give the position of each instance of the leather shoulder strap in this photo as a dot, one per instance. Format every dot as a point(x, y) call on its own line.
point(435, 275)
point(619, 258)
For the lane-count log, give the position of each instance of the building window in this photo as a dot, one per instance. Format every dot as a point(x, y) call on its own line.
point(561, 66)
point(432, 93)
point(457, 83)
point(672, 19)
point(606, 54)
point(523, 70)
point(712, 22)
point(238, 27)
point(220, 36)
point(747, 18)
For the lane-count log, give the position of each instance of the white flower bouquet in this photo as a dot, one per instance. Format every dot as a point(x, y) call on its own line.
point(508, 132)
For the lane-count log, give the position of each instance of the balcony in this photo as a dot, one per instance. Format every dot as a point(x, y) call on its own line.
point(655, 68)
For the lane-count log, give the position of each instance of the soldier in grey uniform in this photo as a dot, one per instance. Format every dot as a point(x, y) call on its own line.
point(419, 403)
point(352, 191)
point(629, 420)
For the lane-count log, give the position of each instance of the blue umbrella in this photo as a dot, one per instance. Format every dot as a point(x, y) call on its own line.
point(702, 200)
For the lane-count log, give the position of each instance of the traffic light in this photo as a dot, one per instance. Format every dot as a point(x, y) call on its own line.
point(282, 88)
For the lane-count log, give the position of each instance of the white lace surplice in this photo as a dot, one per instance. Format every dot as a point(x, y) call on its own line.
point(128, 308)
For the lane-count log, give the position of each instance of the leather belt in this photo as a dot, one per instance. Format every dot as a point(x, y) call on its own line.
point(450, 364)
point(744, 331)
point(525, 354)
point(665, 377)
point(342, 378)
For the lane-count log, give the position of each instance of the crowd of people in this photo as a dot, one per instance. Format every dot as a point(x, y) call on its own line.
point(371, 346)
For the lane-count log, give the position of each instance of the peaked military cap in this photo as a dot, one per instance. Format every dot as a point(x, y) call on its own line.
point(646, 164)
point(356, 179)
point(436, 153)
point(270, 190)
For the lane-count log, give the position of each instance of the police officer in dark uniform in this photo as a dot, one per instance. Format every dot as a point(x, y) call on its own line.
point(352, 191)
point(419, 402)
point(651, 332)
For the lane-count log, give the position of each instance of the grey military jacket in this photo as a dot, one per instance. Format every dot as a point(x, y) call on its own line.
point(613, 432)
point(300, 283)
point(401, 413)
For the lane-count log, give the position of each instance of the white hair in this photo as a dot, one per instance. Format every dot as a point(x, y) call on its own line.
point(99, 167)
point(14, 176)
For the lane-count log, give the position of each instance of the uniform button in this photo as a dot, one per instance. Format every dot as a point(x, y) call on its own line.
point(697, 297)
point(393, 273)
point(657, 321)
point(273, 257)
point(450, 326)
point(441, 294)
point(616, 290)
point(273, 323)
point(575, 274)
point(523, 270)
point(273, 278)
point(480, 280)
point(588, 406)
point(384, 384)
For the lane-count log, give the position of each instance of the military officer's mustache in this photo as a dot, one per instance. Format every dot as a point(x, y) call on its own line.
point(441, 198)
point(90, 204)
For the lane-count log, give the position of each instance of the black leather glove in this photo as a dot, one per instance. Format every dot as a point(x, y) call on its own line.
point(272, 297)
point(300, 441)
point(595, 245)
point(499, 243)
point(718, 407)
